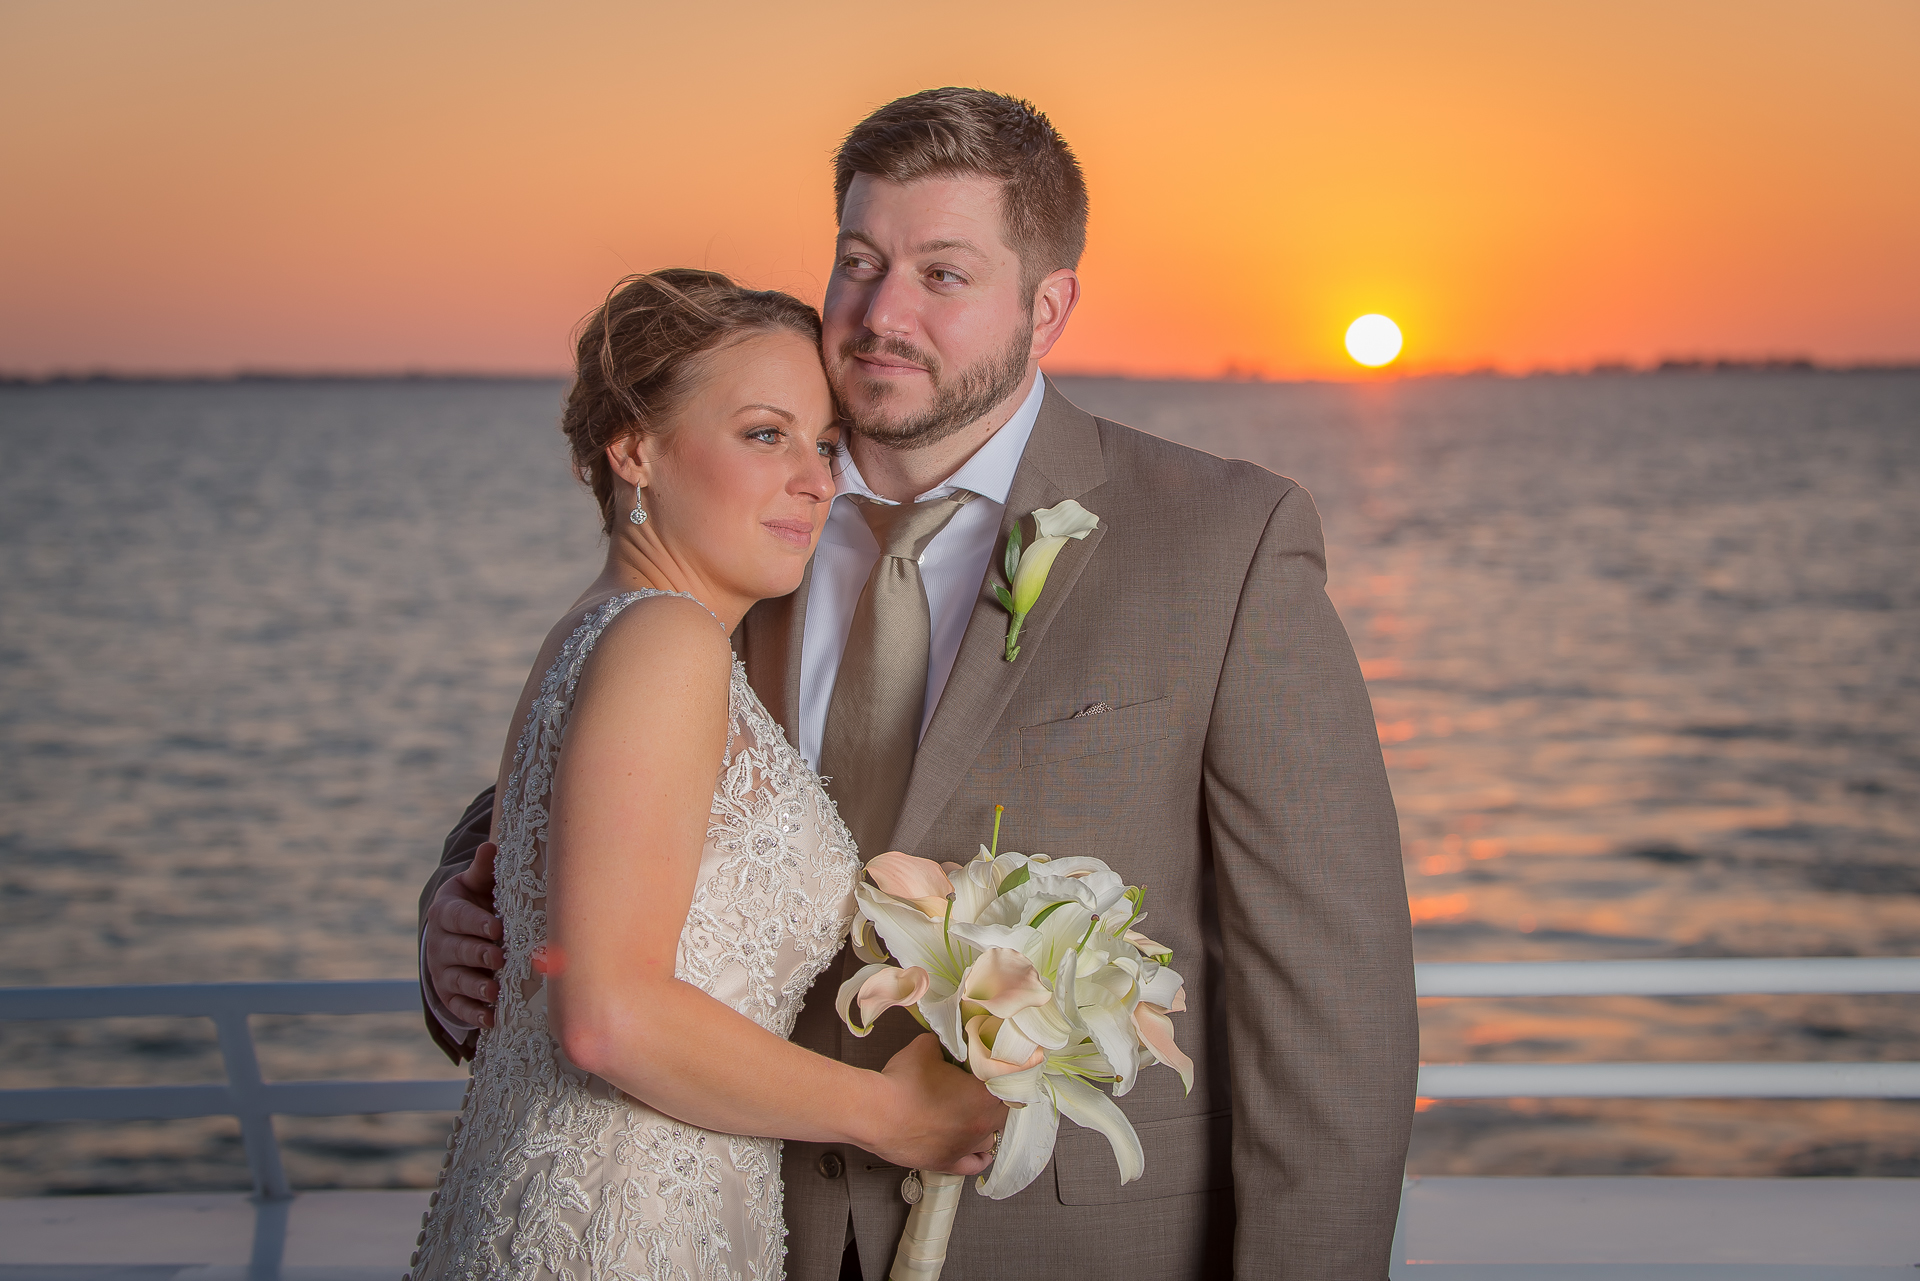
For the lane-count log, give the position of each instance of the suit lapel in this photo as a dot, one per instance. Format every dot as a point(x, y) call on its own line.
point(1062, 460)
point(768, 642)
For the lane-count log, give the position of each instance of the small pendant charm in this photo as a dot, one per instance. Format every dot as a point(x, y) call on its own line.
point(910, 1188)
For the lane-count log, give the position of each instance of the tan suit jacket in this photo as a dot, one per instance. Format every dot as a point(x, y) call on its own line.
point(1237, 776)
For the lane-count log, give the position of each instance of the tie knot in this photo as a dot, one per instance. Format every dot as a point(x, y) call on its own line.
point(905, 529)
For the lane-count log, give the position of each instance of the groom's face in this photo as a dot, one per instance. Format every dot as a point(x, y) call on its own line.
point(927, 326)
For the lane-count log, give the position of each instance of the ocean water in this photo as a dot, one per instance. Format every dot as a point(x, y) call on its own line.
point(1644, 653)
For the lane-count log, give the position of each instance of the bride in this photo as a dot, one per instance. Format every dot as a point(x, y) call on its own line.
point(670, 874)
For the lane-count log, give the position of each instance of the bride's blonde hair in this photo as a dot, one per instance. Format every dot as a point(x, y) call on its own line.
point(640, 353)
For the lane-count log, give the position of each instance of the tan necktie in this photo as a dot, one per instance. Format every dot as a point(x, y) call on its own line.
point(879, 695)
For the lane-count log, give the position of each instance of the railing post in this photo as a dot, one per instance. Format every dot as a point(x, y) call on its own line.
point(249, 1104)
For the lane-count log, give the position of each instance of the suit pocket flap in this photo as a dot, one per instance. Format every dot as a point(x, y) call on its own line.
point(1184, 1155)
point(1092, 735)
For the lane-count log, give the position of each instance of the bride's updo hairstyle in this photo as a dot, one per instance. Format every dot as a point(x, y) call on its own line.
point(644, 350)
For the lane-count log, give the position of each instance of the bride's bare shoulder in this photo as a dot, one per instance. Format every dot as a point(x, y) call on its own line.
point(662, 660)
point(668, 620)
point(660, 644)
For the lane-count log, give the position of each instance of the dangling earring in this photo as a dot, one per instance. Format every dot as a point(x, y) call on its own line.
point(639, 514)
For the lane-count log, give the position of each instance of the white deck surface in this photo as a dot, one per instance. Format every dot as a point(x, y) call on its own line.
point(1632, 1229)
point(325, 1236)
point(1656, 1229)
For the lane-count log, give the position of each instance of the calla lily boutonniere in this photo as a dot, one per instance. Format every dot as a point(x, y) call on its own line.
point(1027, 567)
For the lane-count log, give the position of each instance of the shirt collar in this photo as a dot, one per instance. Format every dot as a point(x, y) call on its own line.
point(989, 473)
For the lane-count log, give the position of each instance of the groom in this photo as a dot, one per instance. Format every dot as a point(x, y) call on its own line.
point(1184, 704)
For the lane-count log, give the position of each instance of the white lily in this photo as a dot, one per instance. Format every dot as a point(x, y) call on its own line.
point(976, 886)
point(1099, 891)
point(1088, 1107)
point(1026, 1139)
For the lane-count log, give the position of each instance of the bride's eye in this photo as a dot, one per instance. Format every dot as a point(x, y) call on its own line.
point(766, 435)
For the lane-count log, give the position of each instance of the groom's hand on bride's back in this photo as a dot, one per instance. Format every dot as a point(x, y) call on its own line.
point(461, 945)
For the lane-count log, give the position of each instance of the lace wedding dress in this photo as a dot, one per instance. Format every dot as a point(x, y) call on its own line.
point(552, 1172)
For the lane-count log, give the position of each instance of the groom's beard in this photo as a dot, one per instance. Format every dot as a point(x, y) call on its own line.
point(957, 401)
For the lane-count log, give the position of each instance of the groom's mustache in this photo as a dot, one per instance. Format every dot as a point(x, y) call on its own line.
point(899, 348)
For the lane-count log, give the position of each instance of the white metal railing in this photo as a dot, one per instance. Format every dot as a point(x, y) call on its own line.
point(254, 1102)
point(1851, 975)
point(245, 1096)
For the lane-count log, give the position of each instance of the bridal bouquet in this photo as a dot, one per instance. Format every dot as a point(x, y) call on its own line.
point(1030, 972)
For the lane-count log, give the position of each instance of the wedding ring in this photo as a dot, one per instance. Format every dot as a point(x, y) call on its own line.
point(995, 1150)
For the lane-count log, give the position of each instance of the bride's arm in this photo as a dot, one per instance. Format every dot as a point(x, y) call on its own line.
point(631, 798)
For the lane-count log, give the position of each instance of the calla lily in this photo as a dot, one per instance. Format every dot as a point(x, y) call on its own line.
point(1147, 946)
point(1027, 568)
point(1035, 564)
point(865, 944)
point(1156, 1033)
point(919, 881)
point(1065, 520)
point(879, 988)
point(988, 1038)
point(1003, 982)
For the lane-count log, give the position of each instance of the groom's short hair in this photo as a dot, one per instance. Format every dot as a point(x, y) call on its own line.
point(972, 131)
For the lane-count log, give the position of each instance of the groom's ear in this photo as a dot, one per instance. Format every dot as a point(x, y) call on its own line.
point(1054, 299)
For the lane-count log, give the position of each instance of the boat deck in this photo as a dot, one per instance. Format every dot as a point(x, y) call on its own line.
point(1561, 1229)
point(1556, 1229)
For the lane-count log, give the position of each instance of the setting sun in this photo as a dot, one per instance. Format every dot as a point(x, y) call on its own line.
point(1373, 340)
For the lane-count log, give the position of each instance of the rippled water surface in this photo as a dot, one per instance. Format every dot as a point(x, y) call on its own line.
point(1643, 652)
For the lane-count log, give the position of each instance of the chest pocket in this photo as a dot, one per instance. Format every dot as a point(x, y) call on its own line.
point(1096, 735)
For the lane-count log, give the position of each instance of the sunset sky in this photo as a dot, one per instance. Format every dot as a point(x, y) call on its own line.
point(382, 186)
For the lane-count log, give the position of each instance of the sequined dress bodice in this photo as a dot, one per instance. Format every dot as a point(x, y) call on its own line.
point(553, 1172)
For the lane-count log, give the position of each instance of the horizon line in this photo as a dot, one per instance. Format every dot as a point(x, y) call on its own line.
point(1229, 373)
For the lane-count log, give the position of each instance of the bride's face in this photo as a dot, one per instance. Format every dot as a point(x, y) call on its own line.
point(738, 486)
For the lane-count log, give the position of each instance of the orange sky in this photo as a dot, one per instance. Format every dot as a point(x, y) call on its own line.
point(206, 186)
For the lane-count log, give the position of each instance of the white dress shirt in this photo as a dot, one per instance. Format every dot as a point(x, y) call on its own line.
point(952, 568)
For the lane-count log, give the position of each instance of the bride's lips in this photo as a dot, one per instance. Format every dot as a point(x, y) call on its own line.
point(797, 532)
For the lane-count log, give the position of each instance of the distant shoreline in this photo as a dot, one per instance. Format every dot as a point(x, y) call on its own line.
point(1669, 367)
